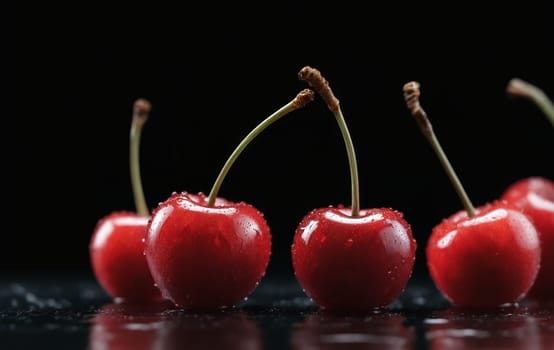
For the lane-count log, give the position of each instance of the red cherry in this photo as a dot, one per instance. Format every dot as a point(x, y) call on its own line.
point(117, 257)
point(117, 244)
point(346, 262)
point(535, 196)
point(480, 257)
point(205, 253)
point(488, 259)
point(351, 259)
point(207, 256)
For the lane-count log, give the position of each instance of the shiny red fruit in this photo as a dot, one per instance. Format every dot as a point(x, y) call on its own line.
point(486, 260)
point(117, 257)
point(207, 257)
point(353, 263)
point(535, 196)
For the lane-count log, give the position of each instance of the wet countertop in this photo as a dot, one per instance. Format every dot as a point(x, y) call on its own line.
point(71, 311)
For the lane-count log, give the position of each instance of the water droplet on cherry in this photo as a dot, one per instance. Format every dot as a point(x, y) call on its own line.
point(349, 242)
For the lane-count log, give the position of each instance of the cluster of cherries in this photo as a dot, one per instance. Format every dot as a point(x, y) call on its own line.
point(206, 252)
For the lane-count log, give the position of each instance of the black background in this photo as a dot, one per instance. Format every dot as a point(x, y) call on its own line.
point(213, 72)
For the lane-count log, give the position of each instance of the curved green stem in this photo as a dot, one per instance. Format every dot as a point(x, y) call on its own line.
point(299, 101)
point(411, 95)
point(351, 161)
point(521, 88)
point(313, 77)
point(456, 183)
point(140, 115)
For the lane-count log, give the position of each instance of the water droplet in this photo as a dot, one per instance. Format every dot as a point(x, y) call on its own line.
point(349, 242)
point(143, 240)
point(435, 321)
point(389, 272)
point(156, 285)
point(245, 299)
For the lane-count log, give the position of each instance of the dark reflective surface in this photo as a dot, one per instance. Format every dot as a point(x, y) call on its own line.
point(160, 327)
point(377, 330)
point(525, 326)
point(72, 312)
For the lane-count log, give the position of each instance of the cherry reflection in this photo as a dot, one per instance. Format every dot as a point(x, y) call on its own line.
point(379, 330)
point(161, 326)
point(543, 313)
point(126, 326)
point(512, 327)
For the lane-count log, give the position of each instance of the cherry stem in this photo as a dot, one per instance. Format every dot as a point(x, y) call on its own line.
point(411, 96)
point(520, 88)
point(314, 78)
point(302, 98)
point(141, 111)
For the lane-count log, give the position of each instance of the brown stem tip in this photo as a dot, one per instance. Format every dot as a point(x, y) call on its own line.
point(519, 88)
point(411, 96)
point(141, 110)
point(314, 78)
point(303, 98)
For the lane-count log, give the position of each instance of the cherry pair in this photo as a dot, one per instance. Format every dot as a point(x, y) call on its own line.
point(491, 255)
point(195, 250)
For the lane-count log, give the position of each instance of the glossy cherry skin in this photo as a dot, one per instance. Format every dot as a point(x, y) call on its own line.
point(117, 257)
point(207, 257)
point(535, 196)
point(486, 260)
point(353, 263)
